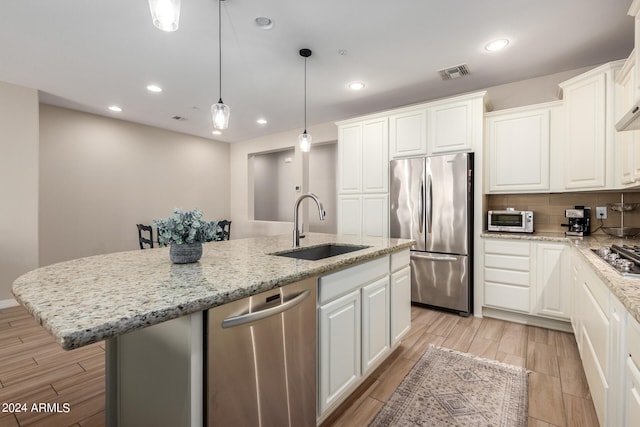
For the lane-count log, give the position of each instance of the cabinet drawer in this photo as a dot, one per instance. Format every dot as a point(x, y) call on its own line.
point(507, 262)
point(400, 259)
point(507, 247)
point(595, 378)
point(633, 340)
point(632, 411)
point(596, 326)
point(520, 278)
point(506, 296)
point(344, 281)
point(598, 290)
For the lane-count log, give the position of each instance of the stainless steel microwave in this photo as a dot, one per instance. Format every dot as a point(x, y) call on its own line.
point(510, 221)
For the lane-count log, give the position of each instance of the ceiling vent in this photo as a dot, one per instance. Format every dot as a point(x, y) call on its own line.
point(178, 118)
point(454, 72)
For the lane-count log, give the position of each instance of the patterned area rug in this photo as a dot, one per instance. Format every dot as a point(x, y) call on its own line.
point(449, 388)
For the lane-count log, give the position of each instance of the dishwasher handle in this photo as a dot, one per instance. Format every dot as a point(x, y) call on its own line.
point(243, 319)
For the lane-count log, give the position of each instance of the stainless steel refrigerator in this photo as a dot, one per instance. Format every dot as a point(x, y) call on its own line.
point(432, 203)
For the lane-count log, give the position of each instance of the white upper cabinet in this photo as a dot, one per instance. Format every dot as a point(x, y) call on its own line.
point(589, 125)
point(363, 156)
point(455, 124)
point(518, 149)
point(445, 126)
point(628, 144)
point(408, 132)
point(350, 158)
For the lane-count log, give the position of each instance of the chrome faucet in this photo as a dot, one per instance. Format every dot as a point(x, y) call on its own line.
point(296, 232)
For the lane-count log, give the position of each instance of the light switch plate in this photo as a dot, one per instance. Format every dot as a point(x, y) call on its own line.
point(601, 212)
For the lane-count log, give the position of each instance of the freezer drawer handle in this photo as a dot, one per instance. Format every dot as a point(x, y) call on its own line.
point(243, 319)
point(439, 258)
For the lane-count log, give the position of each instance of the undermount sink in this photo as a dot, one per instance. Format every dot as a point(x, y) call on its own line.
point(315, 253)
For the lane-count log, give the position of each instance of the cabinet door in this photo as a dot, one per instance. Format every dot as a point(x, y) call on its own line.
point(553, 287)
point(375, 322)
point(350, 215)
point(350, 159)
point(450, 126)
point(576, 296)
point(518, 145)
point(585, 143)
point(339, 346)
point(375, 156)
point(375, 215)
point(632, 398)
point(400, 304)
point(408, 133)
point(615, 399)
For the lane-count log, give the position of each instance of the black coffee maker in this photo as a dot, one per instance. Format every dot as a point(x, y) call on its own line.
point(579, 219)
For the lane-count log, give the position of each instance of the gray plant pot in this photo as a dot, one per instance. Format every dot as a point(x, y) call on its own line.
point(185, 253)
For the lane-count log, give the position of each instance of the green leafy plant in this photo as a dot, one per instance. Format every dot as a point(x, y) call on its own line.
point(186, 227)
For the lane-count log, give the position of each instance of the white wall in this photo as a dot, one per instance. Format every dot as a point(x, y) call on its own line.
point(100, 176)
point(240, 177)
point(322, 181)
point(18, 185)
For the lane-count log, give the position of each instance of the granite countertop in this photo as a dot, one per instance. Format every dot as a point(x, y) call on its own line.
point(91, 299)
point(626, 289)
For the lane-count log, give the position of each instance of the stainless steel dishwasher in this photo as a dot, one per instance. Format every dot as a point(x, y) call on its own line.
point(261, 359)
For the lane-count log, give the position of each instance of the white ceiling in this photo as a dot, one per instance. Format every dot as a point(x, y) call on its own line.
point(89, 54)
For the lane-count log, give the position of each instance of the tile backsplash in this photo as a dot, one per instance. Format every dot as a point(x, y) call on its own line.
point(549, 208)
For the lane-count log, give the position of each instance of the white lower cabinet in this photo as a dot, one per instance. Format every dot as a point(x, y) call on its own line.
point(361, 309)
point(552, 281)
point(631, 358)
point(375, 322)
point(507, 274)
point(400, 303)
point(595, 340)
point(339, 346)
point(528, 277)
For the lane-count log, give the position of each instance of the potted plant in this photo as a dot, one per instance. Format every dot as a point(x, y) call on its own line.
point(185, 231)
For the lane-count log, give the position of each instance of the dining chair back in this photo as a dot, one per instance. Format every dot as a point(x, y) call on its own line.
point(145, 235)
point(224, 230)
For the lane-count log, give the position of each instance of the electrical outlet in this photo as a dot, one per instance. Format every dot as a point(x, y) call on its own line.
point(601, 212)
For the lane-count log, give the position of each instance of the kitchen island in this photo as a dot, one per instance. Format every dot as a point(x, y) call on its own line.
point(136, 299)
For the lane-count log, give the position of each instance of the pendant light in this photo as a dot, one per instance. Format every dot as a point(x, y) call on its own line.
point(220, 112)
point(165, 14)
point(304, 139)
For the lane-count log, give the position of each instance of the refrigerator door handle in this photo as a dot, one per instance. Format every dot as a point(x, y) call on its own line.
point(421, 206)
point(429, 204)
point(439, 258)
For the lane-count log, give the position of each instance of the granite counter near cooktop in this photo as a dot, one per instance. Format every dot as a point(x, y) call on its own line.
point(91, 299)
point(626, 289)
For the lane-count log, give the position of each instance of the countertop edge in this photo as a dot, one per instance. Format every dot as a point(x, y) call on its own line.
point(72, 338)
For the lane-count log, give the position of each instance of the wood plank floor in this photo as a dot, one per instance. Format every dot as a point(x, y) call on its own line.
point(34, 369)
point(558, 391)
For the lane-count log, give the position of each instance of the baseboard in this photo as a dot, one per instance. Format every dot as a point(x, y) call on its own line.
point(526, 319)
point(6, 303)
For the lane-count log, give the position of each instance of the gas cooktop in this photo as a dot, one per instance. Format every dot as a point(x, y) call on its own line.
point(624, 259)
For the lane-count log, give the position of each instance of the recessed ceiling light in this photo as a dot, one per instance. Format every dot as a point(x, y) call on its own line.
point(115, 108)
point(496, 45)
point(154, 88)
point(216, 132)
point(356, 85)
point(263, 22)
point(261, 121)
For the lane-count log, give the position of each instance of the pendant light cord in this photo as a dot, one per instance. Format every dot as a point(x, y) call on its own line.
point(220, 48)
point(305, 95)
